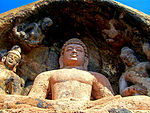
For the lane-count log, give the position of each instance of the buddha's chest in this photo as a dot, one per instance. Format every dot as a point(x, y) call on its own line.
point(64, 75)
point(71, 90)
point(71, 84)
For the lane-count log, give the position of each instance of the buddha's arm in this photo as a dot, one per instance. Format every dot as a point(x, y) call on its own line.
point(101, 86)
point(41, 85)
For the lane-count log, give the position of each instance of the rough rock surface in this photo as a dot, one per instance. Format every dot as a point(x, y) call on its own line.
point(94, 23)
point(16, 103)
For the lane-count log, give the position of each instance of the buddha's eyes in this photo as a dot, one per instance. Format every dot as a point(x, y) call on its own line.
point(69, 48)
point(79, 49)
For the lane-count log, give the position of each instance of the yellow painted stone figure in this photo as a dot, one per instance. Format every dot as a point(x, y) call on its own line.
point(10, 82)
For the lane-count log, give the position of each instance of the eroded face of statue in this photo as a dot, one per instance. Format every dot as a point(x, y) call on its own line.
point(11, 60)
point(74, 55)
point(128, 59)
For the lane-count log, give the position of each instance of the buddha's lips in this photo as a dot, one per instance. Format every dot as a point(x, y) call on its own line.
point(74, 55)
point(74, 58)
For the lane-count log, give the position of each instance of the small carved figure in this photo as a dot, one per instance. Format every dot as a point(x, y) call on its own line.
point(135, 80)
point(46, 23)
point(71, 82)
point(31, 34)
point(112, 35)
point(10, 82)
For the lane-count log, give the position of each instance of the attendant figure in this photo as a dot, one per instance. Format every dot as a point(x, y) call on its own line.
point(135, 80)
point(10, 82)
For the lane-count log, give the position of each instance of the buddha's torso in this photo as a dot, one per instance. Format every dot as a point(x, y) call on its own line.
point(71, 84)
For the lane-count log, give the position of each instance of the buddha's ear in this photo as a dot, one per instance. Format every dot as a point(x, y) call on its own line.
point(61, 61)
point(86, 61)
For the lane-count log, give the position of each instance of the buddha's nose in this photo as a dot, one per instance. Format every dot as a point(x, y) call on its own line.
point(74, 50)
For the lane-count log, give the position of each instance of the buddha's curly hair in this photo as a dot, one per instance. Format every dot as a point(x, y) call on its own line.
point(74, 41)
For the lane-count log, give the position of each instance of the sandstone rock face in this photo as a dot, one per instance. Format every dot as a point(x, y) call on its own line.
point(104, 26)
point(13, 103)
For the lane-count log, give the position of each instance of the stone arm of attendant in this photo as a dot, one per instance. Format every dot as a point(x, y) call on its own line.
point(140, 84)
point(122, 84)
point(142, 69)
point(134, 90)
point(101, 86)
point(41, 85)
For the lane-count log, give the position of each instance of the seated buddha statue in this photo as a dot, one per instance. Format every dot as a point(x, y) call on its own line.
point(72, 81)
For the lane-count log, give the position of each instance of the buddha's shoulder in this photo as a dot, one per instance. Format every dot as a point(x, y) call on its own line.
point(72, 71)
point(98, 75)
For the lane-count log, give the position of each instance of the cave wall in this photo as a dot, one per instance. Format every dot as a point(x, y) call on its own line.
point(104, 26)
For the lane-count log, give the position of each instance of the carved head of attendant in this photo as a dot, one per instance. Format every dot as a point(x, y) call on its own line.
point(74, 55)
point(128, 57)
point(12, 58)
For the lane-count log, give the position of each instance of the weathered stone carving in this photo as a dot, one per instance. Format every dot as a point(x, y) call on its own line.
point(10, 82)
point(88, 22)
point(135, 80)
point(46, 23)
point(31, 34)
point(72, 82)
point(146, 50)
point(113, 36)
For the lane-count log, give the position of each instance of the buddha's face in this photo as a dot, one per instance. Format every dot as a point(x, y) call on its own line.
point(12, 59)
point(74, 55)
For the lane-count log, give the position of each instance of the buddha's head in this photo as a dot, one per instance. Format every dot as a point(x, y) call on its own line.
point(74, 54)
point(12, 58)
